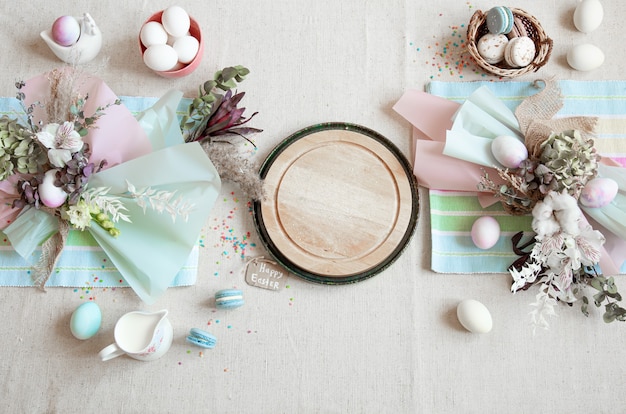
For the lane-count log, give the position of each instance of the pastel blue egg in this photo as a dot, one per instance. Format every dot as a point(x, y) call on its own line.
point(86, 320)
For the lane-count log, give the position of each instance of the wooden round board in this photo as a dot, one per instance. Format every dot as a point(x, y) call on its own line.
point(341, 203)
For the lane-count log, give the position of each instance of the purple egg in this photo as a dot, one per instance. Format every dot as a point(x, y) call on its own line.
point(65, 30)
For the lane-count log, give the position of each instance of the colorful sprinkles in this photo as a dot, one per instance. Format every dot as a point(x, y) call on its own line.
point(449, 56)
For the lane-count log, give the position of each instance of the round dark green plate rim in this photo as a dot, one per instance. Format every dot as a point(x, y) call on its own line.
point(342, 279)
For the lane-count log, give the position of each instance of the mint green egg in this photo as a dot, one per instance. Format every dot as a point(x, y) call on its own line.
point(86, 320)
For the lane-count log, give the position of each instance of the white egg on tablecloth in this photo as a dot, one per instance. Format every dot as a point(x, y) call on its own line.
point(588, 15)
point(474, 316)
point(585, 57)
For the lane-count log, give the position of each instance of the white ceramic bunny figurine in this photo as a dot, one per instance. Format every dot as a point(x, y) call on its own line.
point(85, 49)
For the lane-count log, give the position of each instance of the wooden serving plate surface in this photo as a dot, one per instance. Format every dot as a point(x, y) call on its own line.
point(341, 203)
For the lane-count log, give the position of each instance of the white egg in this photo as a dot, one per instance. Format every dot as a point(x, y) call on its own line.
point(474, 316)
point(588, 15)
point(160, 57)
point(187, 48)
point(598, 192)
point(176, 21)
point(509, 151)
point(485, 232)
point(172, 39)
point(49, 194)
point(153, 33)
point(585, 57)
point(65, 30)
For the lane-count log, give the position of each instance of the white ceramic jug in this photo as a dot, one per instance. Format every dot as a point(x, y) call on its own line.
point(141, 335)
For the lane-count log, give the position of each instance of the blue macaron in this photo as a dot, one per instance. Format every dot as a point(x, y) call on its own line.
point(229, 298)
point(201, 338)
point(500, 20)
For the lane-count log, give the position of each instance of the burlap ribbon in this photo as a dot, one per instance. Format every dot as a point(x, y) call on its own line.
point(51, 250)
point(536, 117)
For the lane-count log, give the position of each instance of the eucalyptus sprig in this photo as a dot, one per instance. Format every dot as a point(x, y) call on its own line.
point(213, 114)
point(607, 296)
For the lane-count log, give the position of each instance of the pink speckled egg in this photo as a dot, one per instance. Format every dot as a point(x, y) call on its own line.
point(65, 30)
point(598, 192)
point(485, 232)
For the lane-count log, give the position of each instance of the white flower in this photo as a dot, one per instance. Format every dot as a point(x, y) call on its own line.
point(62, 141)
point(78, 215)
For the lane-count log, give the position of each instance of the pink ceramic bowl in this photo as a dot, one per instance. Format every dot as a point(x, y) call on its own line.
point(194, 30)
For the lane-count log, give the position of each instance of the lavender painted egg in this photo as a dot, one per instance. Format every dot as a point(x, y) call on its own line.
point(485, 232)
point(49, 194)
point(65, 30)
point(509, 151)
point(598, 192)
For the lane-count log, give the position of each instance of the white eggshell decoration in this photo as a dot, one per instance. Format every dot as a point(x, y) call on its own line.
point(160, 57)
point(49, 194)
point(474, 316)
point(598, 192)
point(509, 151)
point(65, 30)
point(176, 21)
point(585, 57)
point(86, 320)
point(588, 15)
point(485, 232)
point(153, 33)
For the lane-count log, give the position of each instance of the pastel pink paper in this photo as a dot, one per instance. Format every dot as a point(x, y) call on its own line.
point(109, 139)
point(437, 171)
point(430, 114)
point(8, 193)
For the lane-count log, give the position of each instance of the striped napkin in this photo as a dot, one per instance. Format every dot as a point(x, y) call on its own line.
point(453, 213)
point(82, 261)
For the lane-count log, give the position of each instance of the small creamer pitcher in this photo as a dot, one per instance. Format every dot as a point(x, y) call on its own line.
point(145, 336)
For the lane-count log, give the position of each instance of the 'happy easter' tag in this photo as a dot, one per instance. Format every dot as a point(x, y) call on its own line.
point(265, 274)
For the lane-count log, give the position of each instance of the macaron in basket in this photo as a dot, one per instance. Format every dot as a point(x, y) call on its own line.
point(507, 41)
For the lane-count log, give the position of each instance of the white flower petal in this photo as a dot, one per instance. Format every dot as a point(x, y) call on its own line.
point(46, 137)
point(59, 157)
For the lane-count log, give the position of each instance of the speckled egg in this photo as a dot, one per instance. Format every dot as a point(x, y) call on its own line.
point(65, 30)
point(86, 320)
point(509, 151)
point(485, 232)
point(474, 316)
point(598, 192)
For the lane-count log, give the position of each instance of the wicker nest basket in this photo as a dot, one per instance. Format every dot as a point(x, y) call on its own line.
point(543, 44)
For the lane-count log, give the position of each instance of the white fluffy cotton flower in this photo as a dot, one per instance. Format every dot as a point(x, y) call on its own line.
point(557, 212)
